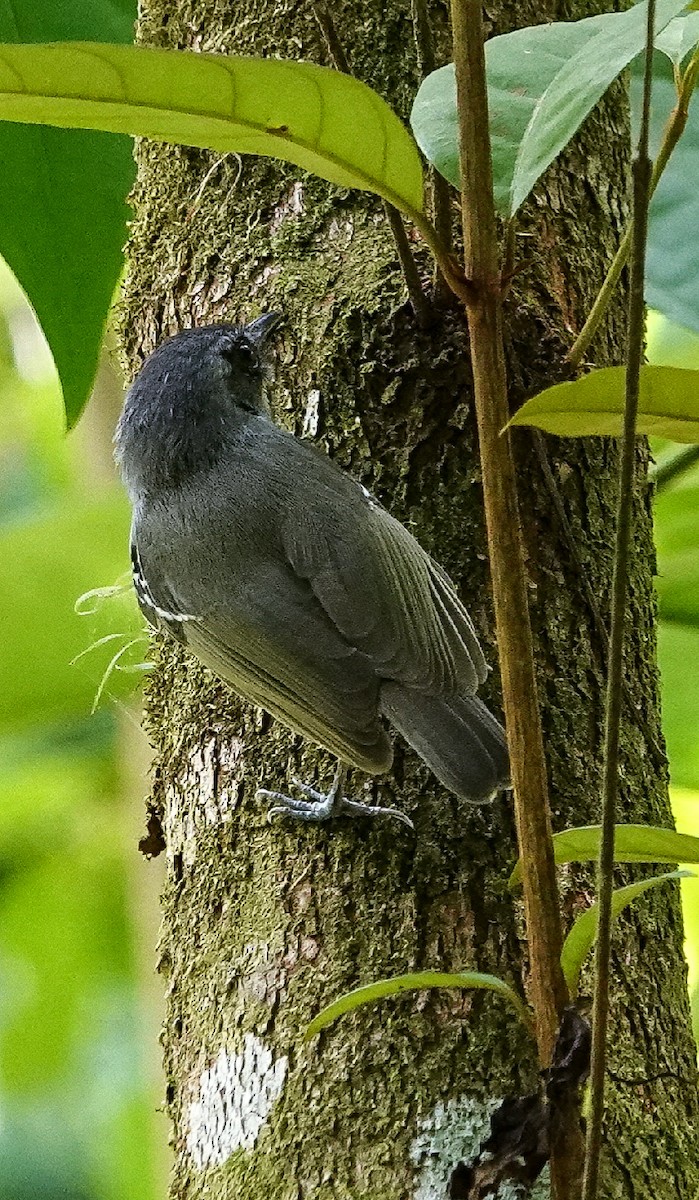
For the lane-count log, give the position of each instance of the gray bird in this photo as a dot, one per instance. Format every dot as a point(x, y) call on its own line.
point(290, 581)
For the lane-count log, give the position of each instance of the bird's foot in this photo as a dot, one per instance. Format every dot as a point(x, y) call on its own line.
point(322, 806)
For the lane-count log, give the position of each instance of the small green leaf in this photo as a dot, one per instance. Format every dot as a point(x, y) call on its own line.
point(416, 982)
point(583, 935)
point(577, 87)
point(314, 117)
point(632, 844)
point(679, 38)
point(594, 405)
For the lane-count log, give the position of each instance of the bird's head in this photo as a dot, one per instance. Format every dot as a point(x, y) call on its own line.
point(191, 394)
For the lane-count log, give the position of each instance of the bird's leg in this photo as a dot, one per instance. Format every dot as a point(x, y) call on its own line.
point(321, 806)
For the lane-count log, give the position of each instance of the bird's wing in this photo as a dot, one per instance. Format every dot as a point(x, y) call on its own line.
point(270, 640)
point(381, 590)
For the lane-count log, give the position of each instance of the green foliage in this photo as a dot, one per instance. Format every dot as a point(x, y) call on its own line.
point(542, 83)
point(594, 404)
point(415, 982)
point(63, 209)
point(679, 38)
point(583, 935)
point(672, 268)
point(314, 117)
point(577, 87)
point(632, 844)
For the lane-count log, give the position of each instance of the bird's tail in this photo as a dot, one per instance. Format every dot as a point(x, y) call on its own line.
point(456, 736)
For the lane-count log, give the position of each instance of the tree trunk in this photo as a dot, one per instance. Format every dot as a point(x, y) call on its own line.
point(263, 925)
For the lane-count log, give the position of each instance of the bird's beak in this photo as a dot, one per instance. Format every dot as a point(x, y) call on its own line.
point(261, 329)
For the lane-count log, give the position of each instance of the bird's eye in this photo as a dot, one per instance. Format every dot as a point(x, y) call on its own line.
point(241, 354)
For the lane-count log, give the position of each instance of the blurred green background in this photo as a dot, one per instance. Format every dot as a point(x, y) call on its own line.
point(79, 1001)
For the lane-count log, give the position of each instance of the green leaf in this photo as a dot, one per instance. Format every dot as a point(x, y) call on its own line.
point(521, 67)
point(632, 844)
point(583, 935)
point(314, 117)
point(416, 982)
point(594, 405)
point(578, 86)
point(679, 38)
point(672, 268)
point(63, 212)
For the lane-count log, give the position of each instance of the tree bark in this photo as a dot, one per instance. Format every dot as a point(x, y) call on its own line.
point(263, 925)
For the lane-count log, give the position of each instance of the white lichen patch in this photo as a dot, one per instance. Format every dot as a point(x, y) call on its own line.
point(197, 798)
point(311, 416)
point(454, 1132)
point(233, 1101)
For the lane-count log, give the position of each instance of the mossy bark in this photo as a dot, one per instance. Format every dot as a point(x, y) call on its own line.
point(262, 925)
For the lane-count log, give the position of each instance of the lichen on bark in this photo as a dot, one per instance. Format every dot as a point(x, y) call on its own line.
point(262, 925)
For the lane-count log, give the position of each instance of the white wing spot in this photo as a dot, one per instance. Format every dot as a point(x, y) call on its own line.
point(235, 1097)
point(145, 596)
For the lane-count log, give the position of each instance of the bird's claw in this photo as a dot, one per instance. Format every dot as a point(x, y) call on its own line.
point(322, 806)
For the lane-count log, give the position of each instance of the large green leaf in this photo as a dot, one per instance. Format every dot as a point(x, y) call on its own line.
point(583, 935)
point(632, 844)
point(526, 70)
point(594, 405)
point(314, 117)
point(63, 210)
point(416, 982)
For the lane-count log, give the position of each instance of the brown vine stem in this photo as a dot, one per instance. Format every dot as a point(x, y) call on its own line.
point(673, 132)
point(441, 190)
point(642, 169)
point(484, 312)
